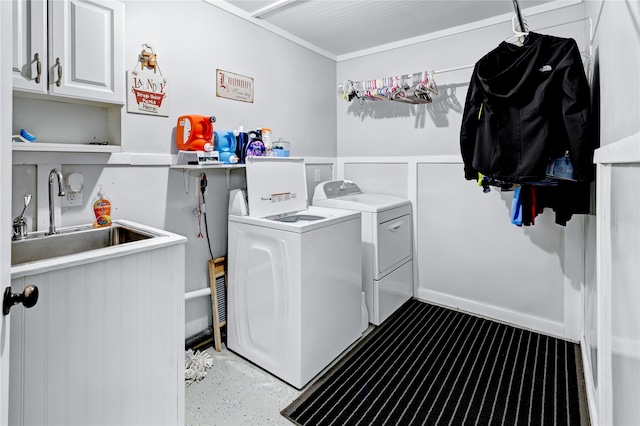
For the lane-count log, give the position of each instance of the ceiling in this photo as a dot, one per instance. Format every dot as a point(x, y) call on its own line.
point(341, 27)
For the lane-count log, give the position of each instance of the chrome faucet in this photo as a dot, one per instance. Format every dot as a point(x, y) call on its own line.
point(20, 223)
point(52, 216)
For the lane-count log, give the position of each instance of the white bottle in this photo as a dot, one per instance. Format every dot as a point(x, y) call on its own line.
point(266, 140)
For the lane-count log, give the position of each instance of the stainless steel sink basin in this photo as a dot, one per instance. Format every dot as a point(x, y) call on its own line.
point(72, 241)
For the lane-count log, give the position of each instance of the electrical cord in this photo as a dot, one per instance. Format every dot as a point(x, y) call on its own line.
point(198, 213)
point(203, 187)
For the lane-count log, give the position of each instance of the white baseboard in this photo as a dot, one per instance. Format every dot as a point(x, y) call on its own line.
point(518, 319)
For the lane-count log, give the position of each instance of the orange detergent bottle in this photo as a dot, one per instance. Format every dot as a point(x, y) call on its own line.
point(101, 210)
point(195, 132)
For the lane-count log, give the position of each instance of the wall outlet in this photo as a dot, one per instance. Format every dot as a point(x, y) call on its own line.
point(72, 199)
point(316, 175)
point(74, 183)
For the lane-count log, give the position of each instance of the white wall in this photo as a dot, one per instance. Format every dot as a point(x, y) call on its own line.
point(616, 35)
point(294, 87)
point(468, 254)
point(294, 96)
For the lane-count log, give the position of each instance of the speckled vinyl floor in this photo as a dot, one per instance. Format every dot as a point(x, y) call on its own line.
point(236, 392)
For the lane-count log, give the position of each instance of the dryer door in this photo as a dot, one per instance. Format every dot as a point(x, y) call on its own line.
point(394, 243)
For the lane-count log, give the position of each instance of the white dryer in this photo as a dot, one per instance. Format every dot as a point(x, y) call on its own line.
point(294, 293)
point(387, 243)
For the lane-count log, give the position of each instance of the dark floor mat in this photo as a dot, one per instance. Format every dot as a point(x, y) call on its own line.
point(428, 365)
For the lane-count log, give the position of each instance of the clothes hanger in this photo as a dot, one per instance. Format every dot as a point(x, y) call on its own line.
point(519, 33)
point(343, 90)
point(389, 84)
point(431, 84)
point(380, 89)
point(369, 86)
point(414, 93)
point(516, 7)
point(421, 93)
point(357, 90)
point(414, 89)
point(400, 94)
point(410, 93)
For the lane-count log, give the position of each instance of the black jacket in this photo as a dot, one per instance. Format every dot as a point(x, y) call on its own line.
point(525, 105)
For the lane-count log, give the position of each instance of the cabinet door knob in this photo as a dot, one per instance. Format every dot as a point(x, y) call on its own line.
point(38, 67)
point(59, 66)
point(29, 297)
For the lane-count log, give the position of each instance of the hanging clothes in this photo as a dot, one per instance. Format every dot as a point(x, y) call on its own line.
point(516, 206)
point(525, 106)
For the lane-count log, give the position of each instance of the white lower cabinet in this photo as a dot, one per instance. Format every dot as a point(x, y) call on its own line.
point(103, 345)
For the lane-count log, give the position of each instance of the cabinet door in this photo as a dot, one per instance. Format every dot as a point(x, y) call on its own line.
point(103, 345)
point(86, 56)
point(29, 62)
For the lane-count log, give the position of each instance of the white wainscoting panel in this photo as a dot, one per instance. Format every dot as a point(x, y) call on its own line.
point(383, 178)
point(471, 256)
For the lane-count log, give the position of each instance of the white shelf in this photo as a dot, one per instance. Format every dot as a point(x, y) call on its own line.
point(186, 168)
point(63, 147)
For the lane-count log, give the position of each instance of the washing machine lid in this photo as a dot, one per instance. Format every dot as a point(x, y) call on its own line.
point(364, 202)
point(276, 186)
point(344, 194)
point(299, 223)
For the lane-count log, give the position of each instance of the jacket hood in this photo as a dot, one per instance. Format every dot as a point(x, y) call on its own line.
point(507, 71)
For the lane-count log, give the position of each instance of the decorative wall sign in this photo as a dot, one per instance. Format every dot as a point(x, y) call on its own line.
point(234, 86)
point(147, 93)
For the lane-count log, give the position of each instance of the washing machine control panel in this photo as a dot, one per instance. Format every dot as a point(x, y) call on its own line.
point(340, 188)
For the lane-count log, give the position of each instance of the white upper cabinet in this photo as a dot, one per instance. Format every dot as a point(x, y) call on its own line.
point(70, 48)
point(30, 46)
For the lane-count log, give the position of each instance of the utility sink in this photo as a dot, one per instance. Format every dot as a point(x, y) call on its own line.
point(74, 240)
point(98, 289)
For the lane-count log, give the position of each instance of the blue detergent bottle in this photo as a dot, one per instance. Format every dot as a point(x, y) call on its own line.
point(225, 142)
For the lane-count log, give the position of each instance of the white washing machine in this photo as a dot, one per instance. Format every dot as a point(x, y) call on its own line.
point(294, 293)
point(387, 243)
